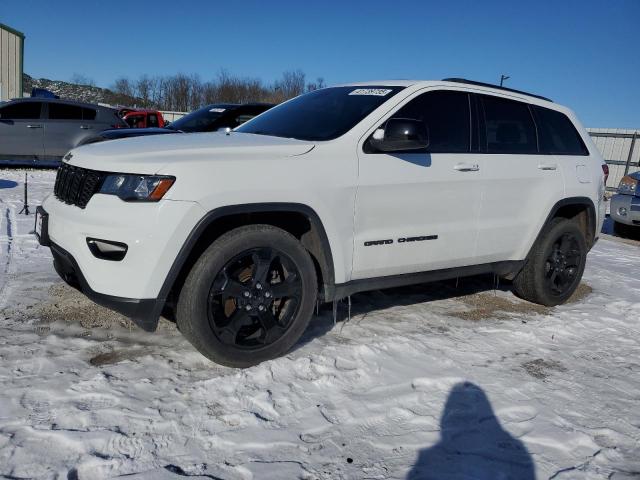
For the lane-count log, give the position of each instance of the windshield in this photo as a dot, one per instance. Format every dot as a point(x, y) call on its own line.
point(202, 120)
point(320, 115)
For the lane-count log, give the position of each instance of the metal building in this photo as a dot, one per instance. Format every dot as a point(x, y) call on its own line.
point(620, 149)
point(11, 62)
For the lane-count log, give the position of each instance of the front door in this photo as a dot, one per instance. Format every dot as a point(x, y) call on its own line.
point(419, 211)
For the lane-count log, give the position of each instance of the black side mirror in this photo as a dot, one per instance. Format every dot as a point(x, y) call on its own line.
point(401, 134)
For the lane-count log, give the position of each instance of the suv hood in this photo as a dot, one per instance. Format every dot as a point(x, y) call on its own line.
point(149, 154)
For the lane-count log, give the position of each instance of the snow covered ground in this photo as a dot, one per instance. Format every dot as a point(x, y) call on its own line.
point(434, 381)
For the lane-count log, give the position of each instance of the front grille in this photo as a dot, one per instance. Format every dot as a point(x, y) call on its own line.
point(75, 185)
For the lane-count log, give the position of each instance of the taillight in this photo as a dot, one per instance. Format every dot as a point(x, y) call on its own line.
point(605, 171)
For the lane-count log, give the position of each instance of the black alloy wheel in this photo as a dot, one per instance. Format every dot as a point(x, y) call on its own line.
point(553, 269)
point(254, 298)
point(563, 264)
point(249, 296)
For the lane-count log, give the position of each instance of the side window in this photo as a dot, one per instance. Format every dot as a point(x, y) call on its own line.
point(21, 111)
point(244, 117)
point(88, 114)
point(557, 134)
point(64, 111)
point(446, 115)
point(509, 126)
point(153, 120)
point(135, 121)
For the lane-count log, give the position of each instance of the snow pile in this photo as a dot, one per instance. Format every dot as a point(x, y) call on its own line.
point(434, 381)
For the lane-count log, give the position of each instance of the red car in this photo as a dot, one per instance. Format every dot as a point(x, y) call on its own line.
point(144, 119)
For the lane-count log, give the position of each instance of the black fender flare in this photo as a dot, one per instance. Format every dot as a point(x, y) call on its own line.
point(570, 201)
point(326, 266)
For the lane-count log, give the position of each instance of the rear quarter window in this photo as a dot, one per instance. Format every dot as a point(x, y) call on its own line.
point(88, 114)
point(64, 111)
point(557, 134)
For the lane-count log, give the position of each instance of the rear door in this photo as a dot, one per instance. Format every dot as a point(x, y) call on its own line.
point(66, 126)
point(558, 137)
point(21, 131)
point(521, 185)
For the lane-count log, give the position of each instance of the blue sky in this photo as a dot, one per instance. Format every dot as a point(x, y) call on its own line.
point(579, 53)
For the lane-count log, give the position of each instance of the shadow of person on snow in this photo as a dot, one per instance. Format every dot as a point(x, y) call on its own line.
point(473, 445)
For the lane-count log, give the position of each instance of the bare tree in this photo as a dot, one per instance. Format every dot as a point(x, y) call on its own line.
point(185, 93)
point(317, 85)
point(123, 86)
point(291, 85)
point(143, 90)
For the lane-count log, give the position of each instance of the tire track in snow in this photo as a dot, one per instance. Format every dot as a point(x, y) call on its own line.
point(6, 252)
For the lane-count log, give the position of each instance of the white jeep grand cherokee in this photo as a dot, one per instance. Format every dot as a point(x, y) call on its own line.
point(341, 190)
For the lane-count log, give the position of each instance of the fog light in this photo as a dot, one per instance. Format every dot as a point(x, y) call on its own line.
point(106, 249)
point(622, 211)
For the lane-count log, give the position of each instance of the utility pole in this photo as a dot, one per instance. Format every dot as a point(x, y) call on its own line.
point(503, 78)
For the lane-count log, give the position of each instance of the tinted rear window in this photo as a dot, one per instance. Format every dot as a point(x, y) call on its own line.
point(557, 134)
point(205, 119)
point(509, 126)
point(88, 114)
point(64, 111)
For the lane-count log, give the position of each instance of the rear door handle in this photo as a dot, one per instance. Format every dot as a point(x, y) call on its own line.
point(85, 127)
point(548, 166)
point(466, 167)
point(34, 126)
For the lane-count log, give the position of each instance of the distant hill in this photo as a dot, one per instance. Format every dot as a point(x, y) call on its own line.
point(81, 93)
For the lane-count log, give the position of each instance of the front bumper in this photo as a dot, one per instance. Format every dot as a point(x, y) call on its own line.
point(154, 234)
point(144, 312)
point(629, 204)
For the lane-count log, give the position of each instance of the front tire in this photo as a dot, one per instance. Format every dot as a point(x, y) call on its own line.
point(249, 297)
point(555, 265)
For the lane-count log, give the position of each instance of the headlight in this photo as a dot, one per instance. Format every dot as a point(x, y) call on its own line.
point(136, 188)
point(628, 186)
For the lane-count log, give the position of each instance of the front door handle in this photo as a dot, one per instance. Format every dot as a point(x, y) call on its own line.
point(548, 166)
point(85, 127)
point(34, 126)
point(466, 167)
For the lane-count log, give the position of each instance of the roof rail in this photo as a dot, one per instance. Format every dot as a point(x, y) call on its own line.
point(498, 87)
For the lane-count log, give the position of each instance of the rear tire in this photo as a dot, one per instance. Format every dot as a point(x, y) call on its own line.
point(249, 297)
point(554, 267)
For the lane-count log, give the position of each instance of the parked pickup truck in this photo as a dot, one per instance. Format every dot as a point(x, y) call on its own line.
point(144, 119)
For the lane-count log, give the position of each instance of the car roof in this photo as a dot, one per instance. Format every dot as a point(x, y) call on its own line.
point(59, 100)
point(454, 82)
point(231, 106)
point(141, 110)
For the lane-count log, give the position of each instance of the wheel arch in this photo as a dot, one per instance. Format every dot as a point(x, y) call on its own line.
point(298, 219)
point(579, 209)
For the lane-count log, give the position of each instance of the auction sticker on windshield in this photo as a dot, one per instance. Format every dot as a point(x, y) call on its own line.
point(378, 92)
point(217, 110)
